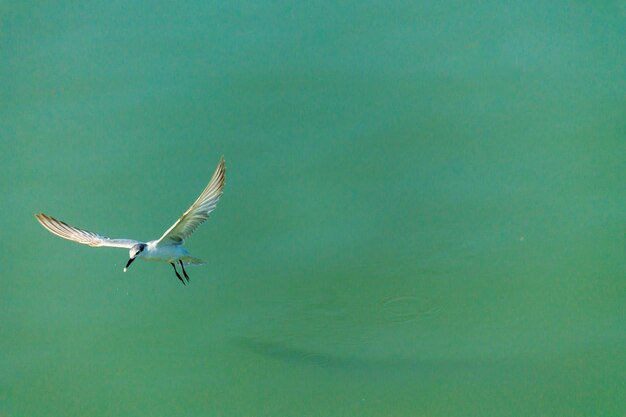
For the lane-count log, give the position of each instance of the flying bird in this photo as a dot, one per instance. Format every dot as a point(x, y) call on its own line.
point(167, 248)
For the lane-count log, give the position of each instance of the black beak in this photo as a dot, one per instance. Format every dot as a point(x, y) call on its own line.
point(130, 261)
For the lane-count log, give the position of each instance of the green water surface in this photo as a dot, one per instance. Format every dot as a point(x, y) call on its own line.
point(424, 212)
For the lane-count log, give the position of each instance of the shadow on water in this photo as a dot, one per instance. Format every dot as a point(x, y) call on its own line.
point(395, 365)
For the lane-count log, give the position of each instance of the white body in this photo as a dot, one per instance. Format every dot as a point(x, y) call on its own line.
point(169, 253)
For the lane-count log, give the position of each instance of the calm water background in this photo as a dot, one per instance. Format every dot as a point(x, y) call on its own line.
point(423, 215)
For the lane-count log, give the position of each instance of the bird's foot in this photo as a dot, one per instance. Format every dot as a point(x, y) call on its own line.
point(177, 274)
point(183, 268)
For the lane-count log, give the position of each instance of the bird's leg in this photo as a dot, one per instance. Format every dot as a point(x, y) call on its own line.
point(177, 274)
point(184, 272)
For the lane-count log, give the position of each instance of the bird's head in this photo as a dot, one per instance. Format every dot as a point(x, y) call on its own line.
point(133, 253)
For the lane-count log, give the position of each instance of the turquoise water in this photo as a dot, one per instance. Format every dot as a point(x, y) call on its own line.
point(423, 214)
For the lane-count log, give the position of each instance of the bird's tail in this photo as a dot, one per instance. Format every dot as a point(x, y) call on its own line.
point(188, 260)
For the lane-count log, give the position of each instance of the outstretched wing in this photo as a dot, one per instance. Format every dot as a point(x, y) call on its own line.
point(75, 234)
point(199, 211)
